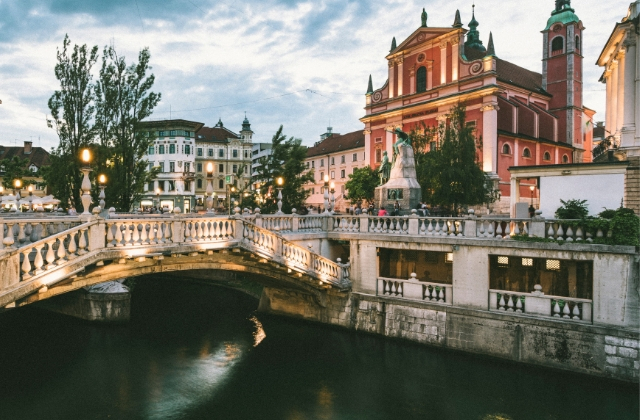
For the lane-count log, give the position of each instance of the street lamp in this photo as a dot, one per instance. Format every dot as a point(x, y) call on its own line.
point(17, 186)
point(279, 182)
point(30, 189)
point(326, 195)
point(158, 198)
point(86, 183)
point(102, 180)
point(333, 197)
point(209, 192)
point(232, 189)
point(532, 210)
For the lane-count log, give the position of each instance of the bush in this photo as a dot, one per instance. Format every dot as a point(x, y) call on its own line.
point(625, 227)
point(572, 209)
point(607, 214)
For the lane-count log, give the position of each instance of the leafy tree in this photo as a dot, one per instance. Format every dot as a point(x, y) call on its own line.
point(362, 184)
point(72, 110)
point(123, 99)
point(447, 164)
point(572, 209)
point(14, 168)
point(287, 161)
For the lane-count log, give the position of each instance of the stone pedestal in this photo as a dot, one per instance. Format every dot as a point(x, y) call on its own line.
point(402, 185)
point(107, 302)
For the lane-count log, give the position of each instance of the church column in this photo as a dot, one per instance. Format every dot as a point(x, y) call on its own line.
point(412, 81)
point(630, 99)
point(613, 128)
point(620, 102)
point(514, 196)
point(430, 75)
point(443, 62)
point(490, 135)
point(607, 78)
point(392, 78)
point(367, 147)
point(400, 62)
point(455, 46)
point(389, 141)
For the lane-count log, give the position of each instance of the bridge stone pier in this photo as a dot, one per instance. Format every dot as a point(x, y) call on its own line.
point(458, 283)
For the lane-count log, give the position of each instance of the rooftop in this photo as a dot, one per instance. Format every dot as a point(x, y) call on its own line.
point(337, 143)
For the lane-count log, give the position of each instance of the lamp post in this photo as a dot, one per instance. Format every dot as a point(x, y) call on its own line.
point(1, 194)
point(102, 180)
point(232, 189)
point(17, 186)
point(333, 197)
point(86, 183)
point(209, 191)
point(532, 210)
point(279, 183)
point(326, 195)
point(158, 198)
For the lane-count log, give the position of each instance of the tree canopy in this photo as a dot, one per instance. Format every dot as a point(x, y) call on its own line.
point(362, 184)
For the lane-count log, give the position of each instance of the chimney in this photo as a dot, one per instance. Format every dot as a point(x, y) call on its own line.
point(27, 147)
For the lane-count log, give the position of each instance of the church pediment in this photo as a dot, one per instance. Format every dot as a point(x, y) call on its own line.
point(421, 36)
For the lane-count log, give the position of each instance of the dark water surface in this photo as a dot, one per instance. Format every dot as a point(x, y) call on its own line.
point(199, 352)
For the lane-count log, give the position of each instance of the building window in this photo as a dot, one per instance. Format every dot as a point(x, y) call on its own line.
point(200, 151)
point(321, 176)
point(161, 149)
point(552, 265)
point(235, 153)
point(333, 175)
point(187, 166)
point(172, 166)
point(172, 149)
point(432, 146)
point(307, 165)
point(199, 166)
point(557, 44)
point(378, 139)
point(161, 134)
point(342, 159)
point(321, 163)
point(246, 154)
point(172, 186)
point(313, 190)
point(221, 184)
point(187, 149)
point(421, 79)
point(150, 167)
point(577, 42)
point(565, 159)
point(199, 183)
point(150, 186)
point(161, 166)
point(221, 168)
point(172, 133)
point(506, 150)
point(526, 153)
point(354, 157)
point(378, 155)
point(151, 150)
point(221, 153)
point(210, 152)
point(342, 173)
point(313, 163)
point(333, 161)
point(235, 169)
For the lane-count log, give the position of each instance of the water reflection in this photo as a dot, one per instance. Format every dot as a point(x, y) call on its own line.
point(198, 352)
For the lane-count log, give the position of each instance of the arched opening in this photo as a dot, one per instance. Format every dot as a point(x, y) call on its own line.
point(577, 42)
point(506, 149)
point(220, 183)
point(557, 44)
point(526, 153)
point(421, 79)
point(565, 159)
point(546, 156)
point(199, 183)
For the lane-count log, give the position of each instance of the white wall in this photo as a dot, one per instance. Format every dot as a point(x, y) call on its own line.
point(600, 191)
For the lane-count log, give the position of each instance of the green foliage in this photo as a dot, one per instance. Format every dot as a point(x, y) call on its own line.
point(625, 228)
point(72, 110)
point(447, 164)
point(123, 99)
point(607, 214)
point(14, 168)
point(362, 184)
point(287, 161)
point(572, 209)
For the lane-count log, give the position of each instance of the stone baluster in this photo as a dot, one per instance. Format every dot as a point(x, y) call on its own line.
point(576, 311)
point(72, 249)
point(579, 234)
point(26, 264)
point(50, 257)
point(110, 235)
point(569, 234)
point(560, 232)
point(8, 240)
point(21, 236)
point(440, 294)
point(566, 313)
point(556, 308)
point(144, 235)
point(519, 306)
point(501, 304)
point(38, 261)
point(62, 252)
point(510, 304)
point(168, 231)
point(82, 243)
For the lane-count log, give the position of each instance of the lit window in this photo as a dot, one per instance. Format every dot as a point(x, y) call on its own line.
point(553, 265)
point(504, 261)
point(449, 257)
point(527, 262)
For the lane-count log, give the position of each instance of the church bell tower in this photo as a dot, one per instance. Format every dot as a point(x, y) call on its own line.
point(562, 72)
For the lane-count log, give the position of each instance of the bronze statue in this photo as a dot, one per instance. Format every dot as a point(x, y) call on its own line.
point(385, 169)
point(403, 140)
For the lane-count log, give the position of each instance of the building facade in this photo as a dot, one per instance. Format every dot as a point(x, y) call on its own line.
point(336, 156)
point(37, 159)
point(523, 117)
point(173, 153)
point(230, 156)
point(258, 151)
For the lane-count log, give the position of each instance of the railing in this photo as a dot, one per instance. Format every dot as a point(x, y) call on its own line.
point(538, 304)
point(432, 226)
point(501, 228)
point(346, 223)
point(392, 225)
point(310, 223)
point(278, 223)
point(416, 290)
point(571, 231)
point(208, 229)
point(23, 231)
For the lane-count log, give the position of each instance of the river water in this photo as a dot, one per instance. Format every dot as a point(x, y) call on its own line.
point(199, 352)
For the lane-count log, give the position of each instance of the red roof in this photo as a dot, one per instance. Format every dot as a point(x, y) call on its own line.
point(38, 156)
point(215, 135)
point(337, 143)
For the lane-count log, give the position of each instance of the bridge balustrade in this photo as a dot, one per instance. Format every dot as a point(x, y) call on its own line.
point(414, 289)
point(537, 303)
point(23, 231)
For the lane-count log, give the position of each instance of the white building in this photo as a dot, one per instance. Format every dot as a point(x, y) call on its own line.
point(337, 156)
point(258, 151)
point(173, 152)
point(621, 63)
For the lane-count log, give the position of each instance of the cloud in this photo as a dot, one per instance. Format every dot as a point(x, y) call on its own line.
point(304, 64)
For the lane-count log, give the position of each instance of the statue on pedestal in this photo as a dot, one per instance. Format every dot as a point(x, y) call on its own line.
point(385, 169)
point(403, 140)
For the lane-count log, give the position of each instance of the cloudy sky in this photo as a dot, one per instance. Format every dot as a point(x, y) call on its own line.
point(303, 64)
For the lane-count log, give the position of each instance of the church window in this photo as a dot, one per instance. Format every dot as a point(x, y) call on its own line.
point(526, 153)
point(378, 139)
point(577, 42)
point(557, 44)
point(506, 150)
point(547, 156)
point(378, 155)
point(421, 79)
point(565, 159)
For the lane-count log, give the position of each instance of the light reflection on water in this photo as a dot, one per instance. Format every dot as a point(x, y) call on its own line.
point(199, 352)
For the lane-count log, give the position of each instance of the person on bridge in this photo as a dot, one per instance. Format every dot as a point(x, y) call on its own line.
point(382, 212)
